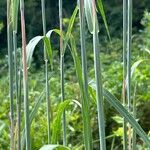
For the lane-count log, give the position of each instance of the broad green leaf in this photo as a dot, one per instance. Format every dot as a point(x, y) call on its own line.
point(54, 147)
point(112, 100)
point(102, 11)
point(31, 47)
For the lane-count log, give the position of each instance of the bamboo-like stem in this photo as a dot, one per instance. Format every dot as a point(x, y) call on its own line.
point(134, 114)
point(62, 71)
point(25, 77)
point(17, 91)
point(129, 46)
point(85, 102)
point(98, 76)
point(10, 63)
point(124, 70)
point(19, 111)
point(46, 71)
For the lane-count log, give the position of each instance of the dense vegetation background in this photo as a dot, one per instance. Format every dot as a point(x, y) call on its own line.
point(111, 62)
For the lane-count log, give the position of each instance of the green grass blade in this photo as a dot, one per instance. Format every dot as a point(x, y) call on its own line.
point(70, 27)
point(85, 104)
point(112, 100)
point(49, 33)
point(124, 113)
point(31, 47)
point(102, 11)
point(48, 50)
point(56, 126)
point(33, 114)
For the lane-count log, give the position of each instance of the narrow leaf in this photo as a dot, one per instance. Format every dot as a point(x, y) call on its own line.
point(48, 50)
point(70, 27)
point(112, 100)
point(56, 126)
point(102, 11)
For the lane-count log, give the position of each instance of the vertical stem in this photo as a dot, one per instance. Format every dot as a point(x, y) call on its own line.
point(10, 63)
point(25, 77)
point(62, 71)
point(46, 71)
point(124, 70)
point(134, 114)
point(129, 45)
point(19, 110)
point(17, 92)
point(98, 76)
point(87, 128)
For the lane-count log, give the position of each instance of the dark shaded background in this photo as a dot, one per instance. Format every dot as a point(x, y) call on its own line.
point(113, 10)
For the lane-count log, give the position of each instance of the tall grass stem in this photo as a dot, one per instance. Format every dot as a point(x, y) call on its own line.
point(129, 46)
point(46, 71)
point(25, 77)
point(85, 103)
point(10, 63)
point(62, 71)
point(124, 70)
point(99, 84)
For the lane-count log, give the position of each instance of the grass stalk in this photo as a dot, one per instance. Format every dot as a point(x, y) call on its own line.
point(17, 91)
point(62, 71)
point(10, 63)
point(124, 70)
point(129, 46)
point(85, 102)
point(98, 77)
point(19, 111)
point(46, 71)
point(134, 114)
point(25, 77)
